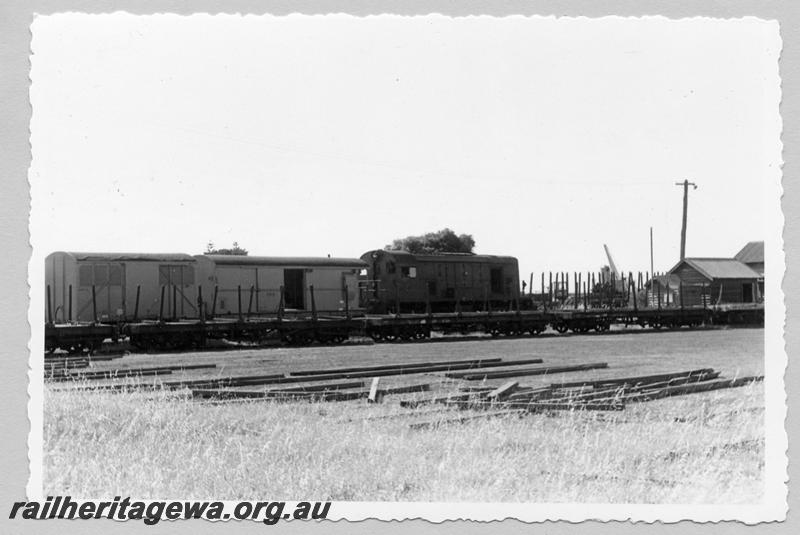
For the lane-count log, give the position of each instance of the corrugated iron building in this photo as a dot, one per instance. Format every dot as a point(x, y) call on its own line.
point(716, 281)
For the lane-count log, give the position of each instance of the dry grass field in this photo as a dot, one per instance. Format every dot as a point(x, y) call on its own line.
point(700, 448)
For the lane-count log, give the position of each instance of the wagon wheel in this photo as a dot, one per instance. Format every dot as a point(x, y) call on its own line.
point(421, 335)
point(494, 331)
point(389, 337)
point(561, 327)
point(655, 324)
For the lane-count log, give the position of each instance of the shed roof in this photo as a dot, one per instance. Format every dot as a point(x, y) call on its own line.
point(752, 253)
point(128, 257)
point(719, 268)
point(316, 261)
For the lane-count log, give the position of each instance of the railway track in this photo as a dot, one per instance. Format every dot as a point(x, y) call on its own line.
point(299, 331)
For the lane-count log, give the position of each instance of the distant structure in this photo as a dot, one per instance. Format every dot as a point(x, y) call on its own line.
point(716, 281)
point(752, 254)
point(663, 290)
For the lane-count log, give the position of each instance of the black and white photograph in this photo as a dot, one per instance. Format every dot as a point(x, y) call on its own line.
point(408, 266)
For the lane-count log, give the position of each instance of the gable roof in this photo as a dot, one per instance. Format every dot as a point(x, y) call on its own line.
point(719, 268)
point(752, 253)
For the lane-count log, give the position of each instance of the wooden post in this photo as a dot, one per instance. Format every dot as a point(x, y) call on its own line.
point(49, 307)
point(280, 305)
point(703, 294)
point(613, 290)
point(659, 293)
point(161, 306)
point(577, 289)
point(374, 395)
point(396, 298)
point(550, 290)
point(542, 294)
point(586, 295)
point(680, 294)
point(239, 293)
point(94, 304)
point(214, 303)
point(635, 299)
point(70, 303)
point(250, 302)
point(200, 303)
point(530, 287)
point(346, 303)
point(174, 301)
point(136, 305)
point(313, 303)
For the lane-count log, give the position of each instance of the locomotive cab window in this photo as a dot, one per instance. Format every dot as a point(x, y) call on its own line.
point(409, 271)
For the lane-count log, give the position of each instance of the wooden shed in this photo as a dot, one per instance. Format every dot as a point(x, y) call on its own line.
point(720, 280)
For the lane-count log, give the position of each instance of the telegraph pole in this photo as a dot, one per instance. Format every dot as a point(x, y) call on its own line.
point(685, 185)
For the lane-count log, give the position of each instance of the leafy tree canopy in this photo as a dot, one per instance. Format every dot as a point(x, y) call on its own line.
point(234, 250)
point(444, 241)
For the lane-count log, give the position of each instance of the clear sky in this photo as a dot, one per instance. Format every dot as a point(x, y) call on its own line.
point(544, 138)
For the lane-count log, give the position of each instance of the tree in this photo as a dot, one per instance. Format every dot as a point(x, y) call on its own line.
point(444, 241)
point(234, 250)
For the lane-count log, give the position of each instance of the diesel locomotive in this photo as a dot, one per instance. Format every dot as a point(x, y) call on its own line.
point(401, 282)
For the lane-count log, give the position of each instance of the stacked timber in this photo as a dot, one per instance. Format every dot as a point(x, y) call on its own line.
point(610, 394)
